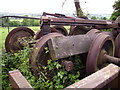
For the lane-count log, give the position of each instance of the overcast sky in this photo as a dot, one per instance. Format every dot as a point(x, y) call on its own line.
point(55, 6)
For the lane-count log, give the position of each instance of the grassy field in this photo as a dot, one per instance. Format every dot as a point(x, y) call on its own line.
point(4, 32)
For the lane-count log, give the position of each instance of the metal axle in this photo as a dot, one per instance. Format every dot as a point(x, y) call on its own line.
point(111, 59)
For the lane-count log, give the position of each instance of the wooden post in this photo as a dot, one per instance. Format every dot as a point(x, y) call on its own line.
point(98, 79)
point(18, 81)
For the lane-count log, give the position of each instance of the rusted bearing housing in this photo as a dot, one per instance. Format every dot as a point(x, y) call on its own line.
point(12, 42)
point(39, 54)
point(101, 43)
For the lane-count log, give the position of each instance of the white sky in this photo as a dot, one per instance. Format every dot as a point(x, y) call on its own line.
point(55, 6)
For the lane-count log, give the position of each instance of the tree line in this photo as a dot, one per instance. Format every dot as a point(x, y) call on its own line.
point(19, 22)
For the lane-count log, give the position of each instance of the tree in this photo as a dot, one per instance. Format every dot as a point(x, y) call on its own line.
point(79, 11)
point(116, 12)
point(14, 23)
point(103, 18)
point(25, 21)
point(94, 18)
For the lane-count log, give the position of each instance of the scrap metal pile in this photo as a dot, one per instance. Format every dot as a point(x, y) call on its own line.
point(85, 38)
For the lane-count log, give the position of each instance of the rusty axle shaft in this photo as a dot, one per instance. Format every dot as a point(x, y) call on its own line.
point(111, 59)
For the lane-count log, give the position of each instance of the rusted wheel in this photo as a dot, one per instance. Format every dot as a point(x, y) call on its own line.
point(61, 29)
point(101, 44)
point(58, 29)
point(117, 46)
point(39, 34)
point(39, 54)
point(77, 30)
point(12, 42)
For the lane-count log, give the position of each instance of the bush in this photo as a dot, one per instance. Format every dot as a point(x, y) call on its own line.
point(12, 62)
point(15, 23)
point(20, 61)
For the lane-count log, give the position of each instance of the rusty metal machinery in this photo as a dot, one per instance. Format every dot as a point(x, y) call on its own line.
point(117, 46)
point(20, 36)
point(96, 48)
point(48, 29)
point(77, 30)
point(17, 38)
point(78, 26)
point(39, 54)
point(56, 28)
point(100, 48)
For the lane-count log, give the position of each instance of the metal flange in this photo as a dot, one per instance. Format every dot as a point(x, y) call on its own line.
point(14, 38)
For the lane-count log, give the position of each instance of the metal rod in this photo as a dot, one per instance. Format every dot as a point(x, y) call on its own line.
point(8, 24)
point(73, 21)
point(112, 59)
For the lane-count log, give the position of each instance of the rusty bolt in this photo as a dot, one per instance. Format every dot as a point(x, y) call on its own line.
point(68, 65)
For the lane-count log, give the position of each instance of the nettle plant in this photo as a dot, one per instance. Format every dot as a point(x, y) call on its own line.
point(20, 60)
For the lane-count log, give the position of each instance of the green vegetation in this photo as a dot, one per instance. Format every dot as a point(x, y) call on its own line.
point(97, 18)
point(116, 12)
point(19, 22)
point(20, 60)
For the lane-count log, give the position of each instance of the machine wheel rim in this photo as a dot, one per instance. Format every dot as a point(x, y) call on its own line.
point(94, 51)
point(27, 31)
point(37, 51)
